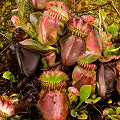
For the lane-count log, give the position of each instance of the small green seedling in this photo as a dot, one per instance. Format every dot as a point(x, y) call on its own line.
point(103, 14)
point(112, 30)
point(112, 114)
point(110, 50)
point(118, 110)
point(82, 116)
point(84, 94)
point(8, 75)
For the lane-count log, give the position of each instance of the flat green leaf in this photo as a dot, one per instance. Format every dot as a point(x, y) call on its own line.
point(112, 30)
point(83, 108)
point(84, 112)
point(82, 116)
point(89, 58)
point(110, 50)
point(118, 110)
point(30, 27)
point(110, 111)
point(7, 4)
point(30, 43)
point(6, 97)
point(112, 118)
point(85, 92)
point(93, 101)
point(8, 75)
point(103, 13)
point(16, 117)
point(34, 18)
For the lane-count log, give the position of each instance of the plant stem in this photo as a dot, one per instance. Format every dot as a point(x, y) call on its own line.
point(100, 22)
point(80, 103)
point(6, 48)
point(104, 24)
point(116, 116)
point(4, 36)
point(74, 5)
point(97, 110)
point(113, 50)
point(115, 7)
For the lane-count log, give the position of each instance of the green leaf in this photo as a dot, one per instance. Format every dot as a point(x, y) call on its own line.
point(89, 58)
point(16, 117)
point(112, 30)
point(84, 94)
point(6, 97)
point(9, 35)
point(110, 111)
point(82, 108)
point(103, 13)
point(93, 101)
point(34, 18)
point(84, 112)
point(44, 62)
point(73, 113)
point(8, 75)
point(112, 118)
point(30, 43)
point(53, 77)
point(30, 27)
point(118, 110)
point(82, 116)
point(7, 4)
point(110, 50)
point(87, 2)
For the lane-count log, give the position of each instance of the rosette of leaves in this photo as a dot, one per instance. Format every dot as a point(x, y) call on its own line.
point(53, 102)
point(73, 44)
point(52, 22)
point(6, 108)
point(31, 28)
